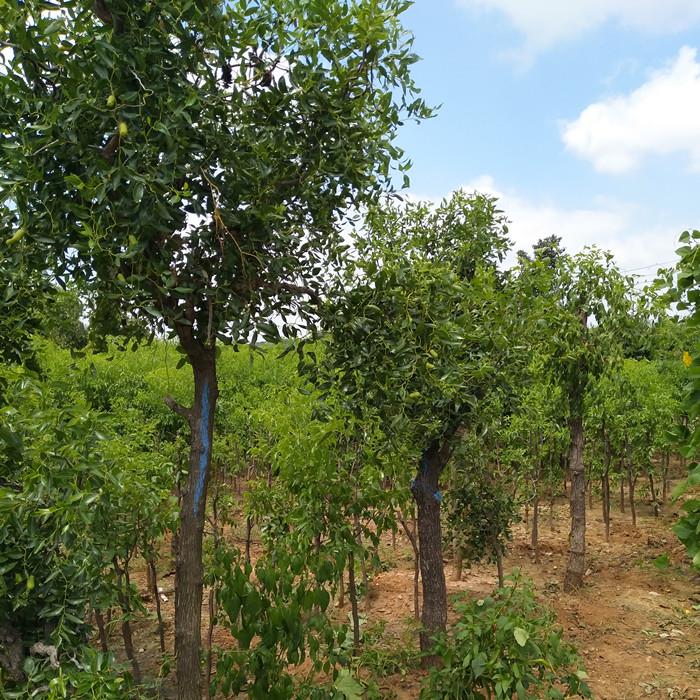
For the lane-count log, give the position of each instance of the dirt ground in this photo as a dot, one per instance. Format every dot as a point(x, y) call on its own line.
point(636, 625)
point(633, 623)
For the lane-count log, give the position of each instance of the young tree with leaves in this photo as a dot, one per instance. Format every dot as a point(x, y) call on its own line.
point(417, 333)
point(192, 162)
point(584, 303)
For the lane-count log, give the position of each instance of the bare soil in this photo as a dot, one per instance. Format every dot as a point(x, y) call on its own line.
point(633, 623)
point(637, 626)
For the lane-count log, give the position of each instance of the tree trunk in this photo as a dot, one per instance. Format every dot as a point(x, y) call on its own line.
point(341, 589)
point(605, 486)
point(499, 564)
point(630, 489)
point(149, 576)
point(427, 496)
point(458, 561)
point(210, 640)
point(652, 490)
point(153, 576)
point(189, 570)
point(622, 488)
point(125, 606)
point(534, 536)
point(551, 508)
point(416, 566)
point(577, 540)
point(363, 561)
point(248, 536)
point(605, 489)
point(664, 475)
point(352, 592)
point(101, 631)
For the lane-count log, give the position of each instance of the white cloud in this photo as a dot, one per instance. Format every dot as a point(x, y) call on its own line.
point(609, 225)
point(544, 23)
point(658, 118)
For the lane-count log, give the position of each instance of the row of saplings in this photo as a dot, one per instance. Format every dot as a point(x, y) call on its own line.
point(275, 605)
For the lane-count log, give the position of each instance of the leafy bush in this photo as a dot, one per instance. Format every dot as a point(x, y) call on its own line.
point(506, 645)
point(275, 611)
point(76, 496)
point(90, 676)
point(480, 512)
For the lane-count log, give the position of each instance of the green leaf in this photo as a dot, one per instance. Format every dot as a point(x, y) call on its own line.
point(521, 636)
point(348, 686)
point(662, 561)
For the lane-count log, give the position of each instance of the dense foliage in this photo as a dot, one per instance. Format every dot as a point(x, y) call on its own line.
point(176, 176)
point(506, 646)
point(687, 293)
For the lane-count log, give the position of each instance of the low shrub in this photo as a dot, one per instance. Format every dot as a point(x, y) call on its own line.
point(505, 646)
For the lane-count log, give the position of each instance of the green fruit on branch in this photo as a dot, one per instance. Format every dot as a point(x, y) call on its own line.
point(17, 236)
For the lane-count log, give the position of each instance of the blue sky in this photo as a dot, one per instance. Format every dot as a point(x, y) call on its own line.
point(584, 118)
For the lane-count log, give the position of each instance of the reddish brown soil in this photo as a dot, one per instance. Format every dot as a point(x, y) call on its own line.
point(635, 624)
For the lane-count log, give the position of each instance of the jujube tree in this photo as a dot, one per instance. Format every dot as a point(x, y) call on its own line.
point(584, 303)
point(192, 162)
point(417, 332)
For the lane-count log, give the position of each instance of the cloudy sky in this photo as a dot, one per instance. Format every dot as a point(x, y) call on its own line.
point(582, 116)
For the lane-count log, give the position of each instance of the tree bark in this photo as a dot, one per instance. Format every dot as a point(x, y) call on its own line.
point(577, 540)
point(149, 576)
point(363, 561)
point(416, 566)
point(248, 536)
point(458, 561)
point(605, 506)
point(630, 489)
point(551, 508)
point(125, 606)
point(102, 633)
point(534, 535)
point(605, 484)
point(652, 489)
point(426, 493)
point(341, 589)
point(352, 593)
point(664, 475)
point(622, 487)
point(153, 577)
point(210, 641)
point(499, 564)
point(189, 570)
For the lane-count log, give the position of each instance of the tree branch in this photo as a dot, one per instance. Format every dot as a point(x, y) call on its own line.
point(110, 149)
point(105, 14)
point(409, 533)
point(289, 287)
point(178, 408)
